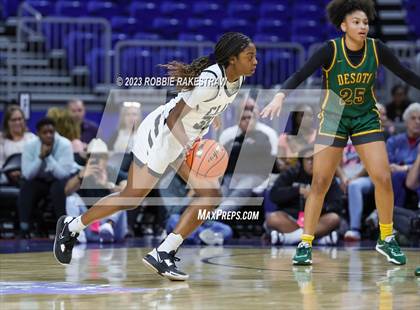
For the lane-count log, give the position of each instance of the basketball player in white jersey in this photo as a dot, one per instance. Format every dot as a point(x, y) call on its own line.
point(163, 139)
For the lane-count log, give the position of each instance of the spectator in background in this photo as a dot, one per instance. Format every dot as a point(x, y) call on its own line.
point(351, 167)
point(13, 137)
point(354, 181)
point(400, 101)
point(413, 176)
point(88, 129)
point(387, 124)
point(47, 162)
point(176, 197)
point(402, 152)
point(253, 151)
point(122, 140)
point(289, 193)
point(67, 128)
point(97, 183)
point(290, 144)
point(405, 219)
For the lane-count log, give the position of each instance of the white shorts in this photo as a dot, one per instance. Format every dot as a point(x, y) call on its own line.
point(154, 144)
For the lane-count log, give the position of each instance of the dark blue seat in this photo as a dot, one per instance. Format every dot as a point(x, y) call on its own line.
point(167, 55)
point(192, 37)
point(307, 27)
point(273, 27)
point(242, 10)
point(269, 38)
point(278, 65)
point(78, 45)
point(46, 8)
point(106, 9)
point(313, 12)
point(286, 3)
point(168, 27)
point(95, 60)
point(207, 27)
point(331, 32)
point(144, 11)
point(320, 3)
point(306, 40)
point(237, 24)
point(175, 9)
point(137, 62)
point(124, 24)
point(146, 36)
point(212, 10)
point(274, 11)
point(70, 8)
point(118, 37)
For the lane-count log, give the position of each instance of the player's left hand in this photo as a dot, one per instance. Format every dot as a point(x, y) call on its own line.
point(274, 107)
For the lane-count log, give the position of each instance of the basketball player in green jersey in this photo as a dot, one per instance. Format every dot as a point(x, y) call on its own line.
point(348, 110)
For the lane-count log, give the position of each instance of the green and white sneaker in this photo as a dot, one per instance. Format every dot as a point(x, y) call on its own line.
point(391, 250)
point(303, 254)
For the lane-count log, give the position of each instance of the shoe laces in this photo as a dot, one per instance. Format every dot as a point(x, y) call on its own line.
point(173, 258)
point(392, 243)
point(302, 247)
point(70, 240)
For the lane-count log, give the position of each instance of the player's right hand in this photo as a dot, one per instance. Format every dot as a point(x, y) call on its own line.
point(274, 107)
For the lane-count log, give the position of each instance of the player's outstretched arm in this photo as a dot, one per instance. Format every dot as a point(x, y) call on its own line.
point(321, 58)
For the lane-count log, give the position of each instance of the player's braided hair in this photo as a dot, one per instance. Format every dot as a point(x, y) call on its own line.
point(337, 10)
point(230, 44)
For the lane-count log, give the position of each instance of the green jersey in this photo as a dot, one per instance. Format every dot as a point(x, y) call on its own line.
point(352, 84)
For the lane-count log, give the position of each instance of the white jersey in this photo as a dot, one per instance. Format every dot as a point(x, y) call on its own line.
point(207, 101)
point(154, 143)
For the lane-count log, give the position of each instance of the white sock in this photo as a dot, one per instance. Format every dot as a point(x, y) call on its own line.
point(292, 237)
point(171, 243)
point(326, 240)
point(76, 225)
point(330, 239)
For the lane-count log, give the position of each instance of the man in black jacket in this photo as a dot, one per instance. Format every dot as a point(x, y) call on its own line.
point(252, 147)
point(289, 193)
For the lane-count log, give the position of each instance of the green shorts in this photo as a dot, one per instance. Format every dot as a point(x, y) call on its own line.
point(335, 130)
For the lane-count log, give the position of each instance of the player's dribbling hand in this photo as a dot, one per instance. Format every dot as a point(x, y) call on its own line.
point(189, 147)
point(274, 107)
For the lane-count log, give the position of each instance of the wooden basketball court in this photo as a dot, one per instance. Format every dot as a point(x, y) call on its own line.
point(220, 278)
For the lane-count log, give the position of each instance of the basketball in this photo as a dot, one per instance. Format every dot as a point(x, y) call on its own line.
point(207, 159)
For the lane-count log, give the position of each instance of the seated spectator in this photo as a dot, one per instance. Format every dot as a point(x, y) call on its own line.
point(122, 140)
point(351, 166)
point(96, 176)
point(47, 162)
point(302, 134)
point(210, 233)
point(284, 208)
point(413, 176)
point(398, 104)
point(355, 182)
point(13, 137)
point(387, 124)
point(88, 129)
point(67, 128)
point(251, 158)
point(402, 152)
point(408, 220)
